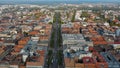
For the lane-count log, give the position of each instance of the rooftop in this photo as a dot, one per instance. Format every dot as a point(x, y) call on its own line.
point(72, 36)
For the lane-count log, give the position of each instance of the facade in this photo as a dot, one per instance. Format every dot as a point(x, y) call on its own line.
point(117, 33)
point(112, 62)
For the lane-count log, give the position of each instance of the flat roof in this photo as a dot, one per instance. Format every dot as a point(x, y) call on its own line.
point(72, 37)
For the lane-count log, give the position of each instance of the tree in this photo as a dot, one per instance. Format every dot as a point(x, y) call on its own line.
point(85, 14)
point(118, 17)
point(50, 22)
point(25, 34)
point(73, 17)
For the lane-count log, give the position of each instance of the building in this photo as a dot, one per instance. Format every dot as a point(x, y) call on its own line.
point(72, 39)
point(117, 32)
point(112, 62)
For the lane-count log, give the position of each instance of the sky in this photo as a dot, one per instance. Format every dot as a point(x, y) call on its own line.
point(59, 0)
point(75, 1)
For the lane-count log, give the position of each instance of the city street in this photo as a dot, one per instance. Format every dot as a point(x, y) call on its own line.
point(54, 63)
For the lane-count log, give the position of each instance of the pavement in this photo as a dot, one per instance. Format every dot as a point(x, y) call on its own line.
point(55, 49)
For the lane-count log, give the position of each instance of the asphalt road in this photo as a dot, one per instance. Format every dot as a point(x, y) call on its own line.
point(55, 49)
point(5, 53)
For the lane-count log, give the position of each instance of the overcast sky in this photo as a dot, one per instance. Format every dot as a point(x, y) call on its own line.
point(60, 0)
point(38, 1)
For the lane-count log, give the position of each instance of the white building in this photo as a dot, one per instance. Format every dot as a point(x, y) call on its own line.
point(72, 39)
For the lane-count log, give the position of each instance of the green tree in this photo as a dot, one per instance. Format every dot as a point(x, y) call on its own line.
point(25, 34)
point(73, 17)
point(85, 14)
point(118, 17)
